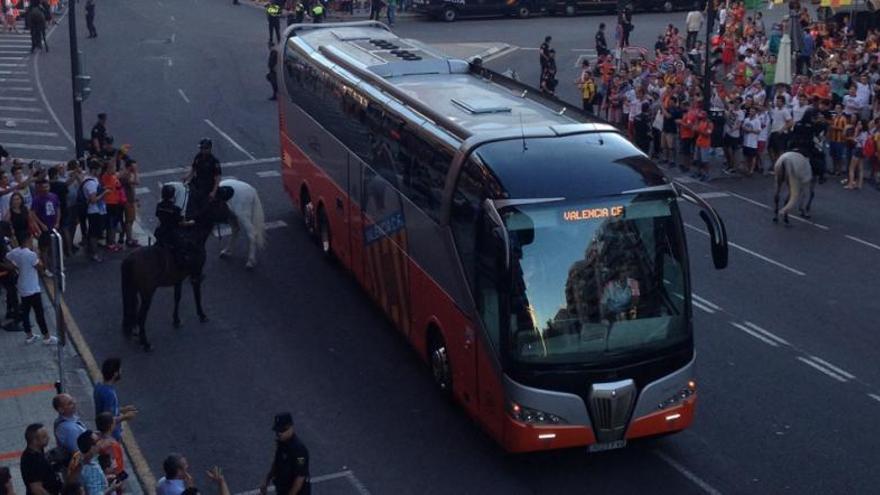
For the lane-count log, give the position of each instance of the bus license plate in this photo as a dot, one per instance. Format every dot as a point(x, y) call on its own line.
point(601, 447)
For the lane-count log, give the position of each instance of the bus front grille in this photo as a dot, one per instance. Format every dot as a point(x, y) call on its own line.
point(610, 407)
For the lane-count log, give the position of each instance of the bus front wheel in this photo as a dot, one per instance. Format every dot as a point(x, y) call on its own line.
point(523, 12)
point(440, 367)
point(449, 14)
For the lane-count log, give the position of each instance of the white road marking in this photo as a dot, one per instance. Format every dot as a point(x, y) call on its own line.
point(6, 80)
point(346, 474)
point(228, 138)
point(22, 109)
point(833, 368)
point(701, 306)
point(225, 165)
point(45, 100)
point(706, 302)
point(766, 333)
point(13, 65)
point(173, 37)
point(11, 58)
point(862, 241)
point(24, 146)
point(16, 88)
point(821, 369)
point(706, 487)
point(875, 397)
point(29, 133)
point(767, 207)
point(268, 173)
point(170, 62)
point(755, 334)
point(23, 121)
point(12, 52)
point(276, 224)
point(142, 190)
point(18, 98)
point(749, 251)
point(13, 72)
point(182, 95)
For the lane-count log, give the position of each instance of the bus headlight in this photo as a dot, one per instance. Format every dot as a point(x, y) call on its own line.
point(679, 396)
point(534, 416)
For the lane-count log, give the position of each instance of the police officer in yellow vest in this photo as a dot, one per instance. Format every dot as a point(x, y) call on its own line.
point(273, 15)
point(317, 12)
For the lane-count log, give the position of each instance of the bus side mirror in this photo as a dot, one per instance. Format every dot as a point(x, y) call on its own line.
point(717, 232)
point(714, 224)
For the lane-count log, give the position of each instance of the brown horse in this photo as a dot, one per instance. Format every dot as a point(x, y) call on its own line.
point(148, 268)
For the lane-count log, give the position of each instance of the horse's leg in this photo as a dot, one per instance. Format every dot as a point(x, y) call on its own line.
point(146, 300)
point(250, 232)
point(176, 317)
point(197, 295)
point(811, 196)
point(233, 237)
point(776, 200)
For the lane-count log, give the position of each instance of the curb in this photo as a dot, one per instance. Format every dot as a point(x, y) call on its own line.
point(141, 466)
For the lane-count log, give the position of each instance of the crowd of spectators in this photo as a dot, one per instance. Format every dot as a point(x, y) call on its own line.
point(658, 96)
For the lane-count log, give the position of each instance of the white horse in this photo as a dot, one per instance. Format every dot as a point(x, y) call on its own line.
point(247, 214)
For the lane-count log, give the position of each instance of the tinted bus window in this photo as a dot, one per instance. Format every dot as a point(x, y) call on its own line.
point(577, 166)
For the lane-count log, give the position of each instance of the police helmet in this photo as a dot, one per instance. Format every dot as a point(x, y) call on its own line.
point(205, 144)
point(168, 192)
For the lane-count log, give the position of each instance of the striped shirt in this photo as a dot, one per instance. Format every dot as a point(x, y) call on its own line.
point(836, 131)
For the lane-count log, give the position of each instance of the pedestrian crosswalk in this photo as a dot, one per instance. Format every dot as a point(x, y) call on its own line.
point(26, 127)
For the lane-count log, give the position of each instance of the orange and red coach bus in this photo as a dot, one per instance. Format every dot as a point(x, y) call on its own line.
point(532, 256)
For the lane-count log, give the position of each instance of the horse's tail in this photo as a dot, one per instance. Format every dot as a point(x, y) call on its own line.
point(258, 220)
point(129, 294)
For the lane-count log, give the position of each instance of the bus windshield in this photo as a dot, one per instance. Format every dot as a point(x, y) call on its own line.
point(595, 283)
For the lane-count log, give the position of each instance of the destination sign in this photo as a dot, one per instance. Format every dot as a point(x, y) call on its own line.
point(592, 213)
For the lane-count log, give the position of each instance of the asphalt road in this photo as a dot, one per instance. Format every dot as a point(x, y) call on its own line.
point(298, 333)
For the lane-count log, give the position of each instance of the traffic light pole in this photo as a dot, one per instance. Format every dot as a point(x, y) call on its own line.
point(74, 80)
point(707, 63)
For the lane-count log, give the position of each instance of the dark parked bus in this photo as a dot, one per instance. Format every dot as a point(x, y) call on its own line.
point(450, 10)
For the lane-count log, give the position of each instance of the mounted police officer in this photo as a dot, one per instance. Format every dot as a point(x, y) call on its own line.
point(273, 16)
point(203, 179)
point(168, 234)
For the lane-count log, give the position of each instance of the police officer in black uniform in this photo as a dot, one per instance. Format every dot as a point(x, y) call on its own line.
point(290, 468)
point(168, 234)
point(203, 179)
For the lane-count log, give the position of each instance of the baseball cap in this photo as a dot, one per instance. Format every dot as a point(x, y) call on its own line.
point(282, 422)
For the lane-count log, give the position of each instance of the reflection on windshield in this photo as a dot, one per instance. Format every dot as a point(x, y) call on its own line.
point(596, 281)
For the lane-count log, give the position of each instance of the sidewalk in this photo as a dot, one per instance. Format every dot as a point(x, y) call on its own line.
point(27, 377)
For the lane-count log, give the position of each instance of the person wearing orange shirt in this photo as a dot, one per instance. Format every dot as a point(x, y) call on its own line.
point(115, 200)
point(703, 132)
point(687, 135)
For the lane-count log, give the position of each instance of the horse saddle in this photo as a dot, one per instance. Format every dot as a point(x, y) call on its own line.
point(225, 193)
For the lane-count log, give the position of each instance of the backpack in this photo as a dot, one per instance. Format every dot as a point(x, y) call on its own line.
point(81, 200)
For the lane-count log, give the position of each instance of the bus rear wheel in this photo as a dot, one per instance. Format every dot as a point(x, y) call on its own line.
point(667, 6)
point(523, 12)
point(440, 367)
point(449, 14)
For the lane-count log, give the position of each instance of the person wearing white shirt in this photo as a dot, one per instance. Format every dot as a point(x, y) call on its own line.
point(732, 134)
point(764, 118)
point(799, 107)
point(852, 104)
point(751, 129)
point(28, 265)
point(780, 123)
point(176, 473)
point(694, 23)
